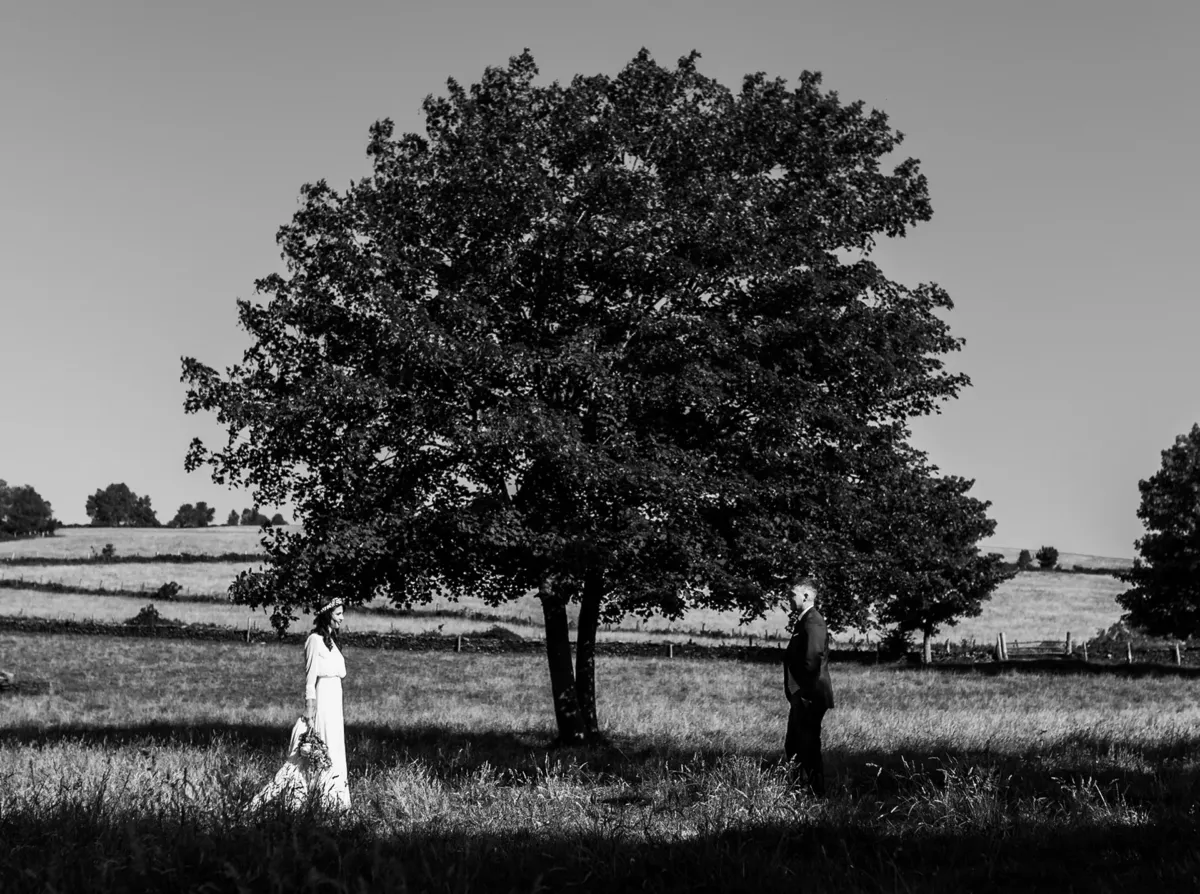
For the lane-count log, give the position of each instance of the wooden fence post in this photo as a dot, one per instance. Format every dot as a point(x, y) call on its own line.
point(1068, 642)
point(458, 643)
point(1003, 647)
point(1178, 657)
point(670, 650)
point(1129, 652)
point(1085, 653)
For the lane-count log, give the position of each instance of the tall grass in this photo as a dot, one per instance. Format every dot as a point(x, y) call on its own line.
point(135, 774)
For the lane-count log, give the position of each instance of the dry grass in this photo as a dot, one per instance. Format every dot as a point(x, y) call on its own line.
point(135, 774)
point(1040, 605)
point(1031, 606)
point(680, 705)
point(1066, 561)
point(76, 543)
point(210, 579)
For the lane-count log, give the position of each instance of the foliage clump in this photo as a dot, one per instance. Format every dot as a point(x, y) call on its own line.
point(117, 506)
point(1164, 596)
point(24, 513)
point(1047, 558)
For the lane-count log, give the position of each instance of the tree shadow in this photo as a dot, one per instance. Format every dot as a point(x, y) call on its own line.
point(818, 852)
point(449, 752)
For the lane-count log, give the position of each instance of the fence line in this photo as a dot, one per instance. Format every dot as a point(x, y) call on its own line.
point(1069, 648)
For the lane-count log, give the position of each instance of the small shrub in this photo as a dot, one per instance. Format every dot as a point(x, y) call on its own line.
point(108, 553)
point(895, 644)
point(147, 617)
point(1047, 557)
point(168, 591)
point(1024, 560)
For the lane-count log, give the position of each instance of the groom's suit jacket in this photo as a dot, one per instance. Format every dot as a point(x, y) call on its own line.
point(806, 663)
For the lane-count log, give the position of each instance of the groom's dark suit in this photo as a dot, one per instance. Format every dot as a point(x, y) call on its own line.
point(807, 686)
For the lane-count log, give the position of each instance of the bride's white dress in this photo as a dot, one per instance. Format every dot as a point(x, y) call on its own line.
point(324, 670)
point(290, 785)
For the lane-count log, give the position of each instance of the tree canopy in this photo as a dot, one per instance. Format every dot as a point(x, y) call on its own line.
point(1047, 558)
point(118, 506)
point(24, 513)
point(619, 341)
point(928, 571)
point(1164, 599)
point(189, 516)
point(252, 516)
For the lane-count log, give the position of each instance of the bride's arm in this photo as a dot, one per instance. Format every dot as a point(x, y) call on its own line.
point(310, 678)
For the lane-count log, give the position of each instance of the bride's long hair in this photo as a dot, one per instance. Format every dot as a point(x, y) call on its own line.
point(323, 624)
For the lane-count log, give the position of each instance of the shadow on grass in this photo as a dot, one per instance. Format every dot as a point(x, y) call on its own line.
point(70, 850)
point(454, 752)
point(447, 750)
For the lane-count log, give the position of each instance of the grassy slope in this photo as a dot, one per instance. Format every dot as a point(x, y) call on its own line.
point(79, 542)
point(134, 774)
point(1065, 560)
point(1032, 606)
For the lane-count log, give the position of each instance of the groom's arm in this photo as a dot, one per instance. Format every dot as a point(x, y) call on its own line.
point(814, 648)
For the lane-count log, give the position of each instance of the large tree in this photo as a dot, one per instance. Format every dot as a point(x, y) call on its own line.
point(921, 556)
point(619, 342)
point(118, 506)
point(189, 516)
point(23, 512)
point(1164, 599)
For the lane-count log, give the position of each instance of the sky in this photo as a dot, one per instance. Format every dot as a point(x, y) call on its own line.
point(150, 151)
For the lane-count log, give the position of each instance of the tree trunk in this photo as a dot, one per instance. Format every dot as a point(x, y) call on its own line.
point(585, 653)
point(562, 679)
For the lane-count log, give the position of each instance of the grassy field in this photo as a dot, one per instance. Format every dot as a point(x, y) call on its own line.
point(1066, 560)
point(70, 543)
point(209, 579)
point(1031, 606)
point(135, 774)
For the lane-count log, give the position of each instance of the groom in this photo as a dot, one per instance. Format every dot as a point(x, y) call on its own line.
point(806, 683)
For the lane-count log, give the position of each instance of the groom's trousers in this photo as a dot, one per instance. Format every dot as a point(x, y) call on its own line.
point(802, 744)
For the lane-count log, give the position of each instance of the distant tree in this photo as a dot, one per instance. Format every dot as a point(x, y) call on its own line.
point(933, 573)
point(619, 342)
point(277, 519)
point(118, 506)
point(253, 517)
point(1025, 560)
point(1164, 599)
point(1047, 557)
point(233, 518)
point(189, 516)
point(23, 512)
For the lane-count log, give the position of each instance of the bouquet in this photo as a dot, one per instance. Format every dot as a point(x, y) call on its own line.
point(314, 751)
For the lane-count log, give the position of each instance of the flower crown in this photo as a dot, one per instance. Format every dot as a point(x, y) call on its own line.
point(330, 606)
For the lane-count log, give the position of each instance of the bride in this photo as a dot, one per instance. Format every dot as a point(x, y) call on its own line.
point(324, 668)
